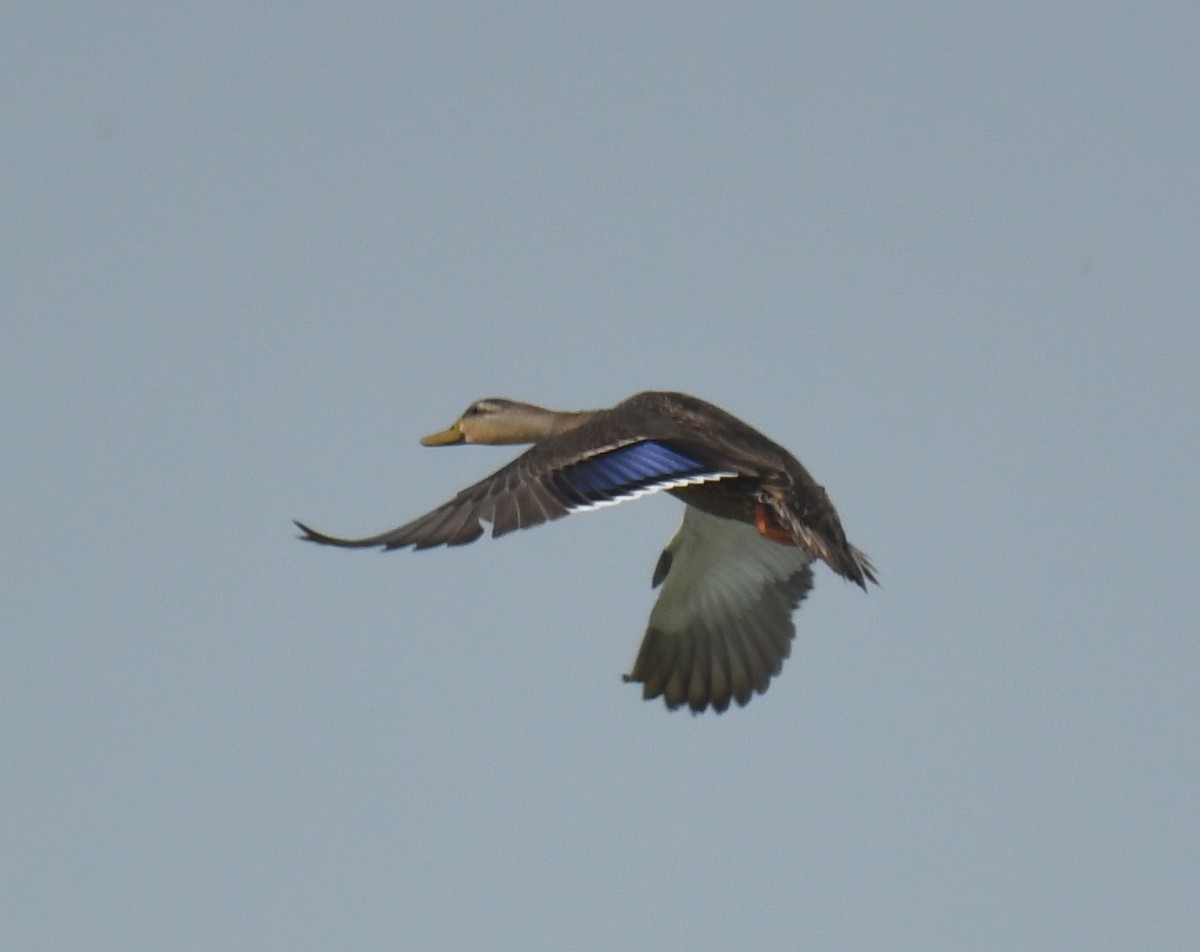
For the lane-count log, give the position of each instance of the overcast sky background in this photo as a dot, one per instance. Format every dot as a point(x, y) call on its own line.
point(948, 255)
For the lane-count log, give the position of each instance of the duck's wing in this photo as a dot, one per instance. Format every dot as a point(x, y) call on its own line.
point(722, 625)
point(581, 469)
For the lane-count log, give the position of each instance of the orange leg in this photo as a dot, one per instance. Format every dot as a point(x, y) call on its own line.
point(768, 528)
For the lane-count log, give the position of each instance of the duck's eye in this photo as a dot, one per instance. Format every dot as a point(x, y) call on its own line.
point(475, 409)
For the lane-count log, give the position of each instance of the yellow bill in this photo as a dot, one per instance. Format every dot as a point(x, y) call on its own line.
point(453, 434)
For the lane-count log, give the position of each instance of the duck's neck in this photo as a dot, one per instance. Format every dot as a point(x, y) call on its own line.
point(562, 421)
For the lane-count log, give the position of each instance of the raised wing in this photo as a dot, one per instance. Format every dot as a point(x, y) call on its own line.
point(722, 625)
point(546, 483)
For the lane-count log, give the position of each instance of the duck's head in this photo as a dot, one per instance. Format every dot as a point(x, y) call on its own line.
point(496, 421)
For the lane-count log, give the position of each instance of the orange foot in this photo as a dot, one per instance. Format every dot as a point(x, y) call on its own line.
point(768, 528)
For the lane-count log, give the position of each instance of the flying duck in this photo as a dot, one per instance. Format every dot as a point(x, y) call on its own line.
point(734, 571)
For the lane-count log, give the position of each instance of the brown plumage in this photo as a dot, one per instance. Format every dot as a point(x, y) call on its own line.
point(733, 573)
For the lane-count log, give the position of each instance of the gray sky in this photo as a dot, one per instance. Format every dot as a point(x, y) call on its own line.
point(948, 256)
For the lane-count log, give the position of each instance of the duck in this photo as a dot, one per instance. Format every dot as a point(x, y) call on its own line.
point(730, 578)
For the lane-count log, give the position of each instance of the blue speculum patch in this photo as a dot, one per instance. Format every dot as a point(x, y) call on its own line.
point(625, 470)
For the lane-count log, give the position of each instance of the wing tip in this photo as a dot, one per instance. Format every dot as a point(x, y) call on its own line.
point(309, 534)
point(698, 702)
